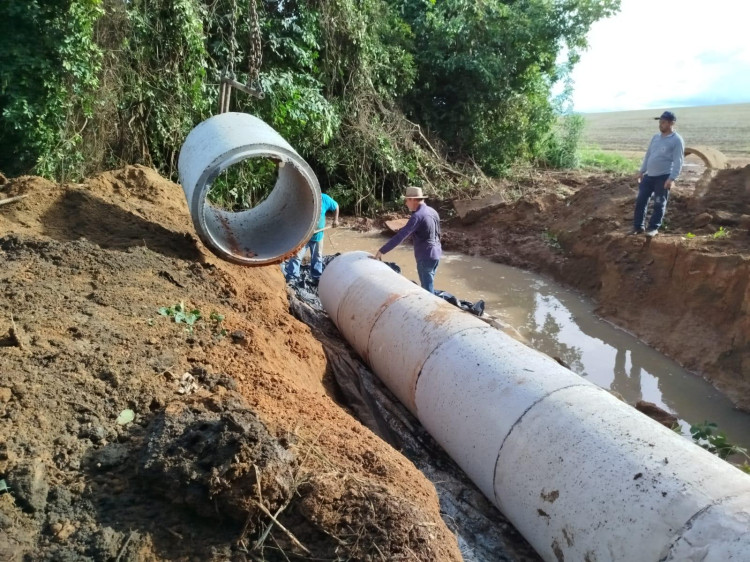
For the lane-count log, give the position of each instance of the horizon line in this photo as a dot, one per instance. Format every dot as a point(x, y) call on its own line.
point(660, 107)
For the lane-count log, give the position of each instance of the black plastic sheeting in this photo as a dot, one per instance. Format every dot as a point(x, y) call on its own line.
point(483, 533)
point(306, 283)
point(476, 308)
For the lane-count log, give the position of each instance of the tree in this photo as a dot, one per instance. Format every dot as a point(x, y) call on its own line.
point(486, 67)
point(49, 73)
point(375, 94)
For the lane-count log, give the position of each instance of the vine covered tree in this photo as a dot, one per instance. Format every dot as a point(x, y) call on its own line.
point(375, 94)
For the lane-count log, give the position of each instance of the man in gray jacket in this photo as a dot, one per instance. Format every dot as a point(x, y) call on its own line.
point(661, 166)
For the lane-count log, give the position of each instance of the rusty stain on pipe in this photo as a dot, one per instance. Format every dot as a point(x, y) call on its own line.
point(274, 229)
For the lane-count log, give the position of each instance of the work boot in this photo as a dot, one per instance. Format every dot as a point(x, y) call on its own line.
point(651, 233)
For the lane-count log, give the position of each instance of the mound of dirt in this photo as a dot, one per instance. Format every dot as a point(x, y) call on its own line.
point(214, 455)
point(157, 403)
point(685, 292)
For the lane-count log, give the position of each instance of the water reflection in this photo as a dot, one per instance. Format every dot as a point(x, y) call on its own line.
point(562, 324)
point(546, 330)
point(627, 381)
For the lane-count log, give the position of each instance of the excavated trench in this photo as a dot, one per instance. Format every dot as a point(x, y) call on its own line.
point(685, 293)
point(562, 324)
point(89, 267)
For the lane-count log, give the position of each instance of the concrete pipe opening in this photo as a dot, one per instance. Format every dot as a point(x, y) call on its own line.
point(270, 228)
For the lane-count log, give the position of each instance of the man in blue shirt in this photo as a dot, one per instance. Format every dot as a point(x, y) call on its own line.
point(424, 224)
point(661, 166)
point(315, 245)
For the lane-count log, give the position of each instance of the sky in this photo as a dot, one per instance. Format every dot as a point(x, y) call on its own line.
point(666, 54)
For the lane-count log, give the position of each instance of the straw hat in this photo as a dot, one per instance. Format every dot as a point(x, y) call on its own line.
point(414, 193)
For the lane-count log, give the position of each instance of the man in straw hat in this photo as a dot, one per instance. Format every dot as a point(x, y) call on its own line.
point(424, 225)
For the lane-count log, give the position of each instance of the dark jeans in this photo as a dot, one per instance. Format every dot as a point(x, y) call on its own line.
point(651, 186)
point(426, 270)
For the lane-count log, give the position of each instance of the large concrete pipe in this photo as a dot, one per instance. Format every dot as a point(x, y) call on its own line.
point(582, 475)
point(270, 231)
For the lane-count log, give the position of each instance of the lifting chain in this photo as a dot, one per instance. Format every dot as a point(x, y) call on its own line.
point(232, 39)
point(255, 58)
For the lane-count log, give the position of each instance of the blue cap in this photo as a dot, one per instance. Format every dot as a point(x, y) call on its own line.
point(667, 116)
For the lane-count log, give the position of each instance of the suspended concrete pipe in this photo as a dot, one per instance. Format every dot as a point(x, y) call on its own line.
point(272, 230)
point(582, 475)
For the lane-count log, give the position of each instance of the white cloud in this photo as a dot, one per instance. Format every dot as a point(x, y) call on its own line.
point(667, 53)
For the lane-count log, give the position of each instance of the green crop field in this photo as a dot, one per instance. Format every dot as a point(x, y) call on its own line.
point(725, 127)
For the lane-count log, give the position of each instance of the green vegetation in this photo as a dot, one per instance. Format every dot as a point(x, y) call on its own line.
point(180, 314)
point(605, 161)
point(707, 436)
point(689, 235)
point(484, 71)
point(721, 233)
point(550, 238)
point(216, 319)
point(560, 147)
point(374, 94)
point(243, 185)
point(50, 69)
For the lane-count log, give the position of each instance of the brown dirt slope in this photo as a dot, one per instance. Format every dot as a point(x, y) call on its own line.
point(235, 418)
point(686, 292)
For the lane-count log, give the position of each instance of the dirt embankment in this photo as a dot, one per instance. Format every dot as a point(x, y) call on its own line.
point(686, 292)
point(235, 418)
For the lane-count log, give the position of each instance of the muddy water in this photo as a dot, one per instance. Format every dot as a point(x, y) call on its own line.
point(562, 324)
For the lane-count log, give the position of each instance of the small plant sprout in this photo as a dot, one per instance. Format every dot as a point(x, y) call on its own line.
point(181, 315)
point(721, 233)
point(551, 240)
point(216, 320)
point(689, 235)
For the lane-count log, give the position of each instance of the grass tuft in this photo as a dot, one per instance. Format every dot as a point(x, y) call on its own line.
point(593, 158)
